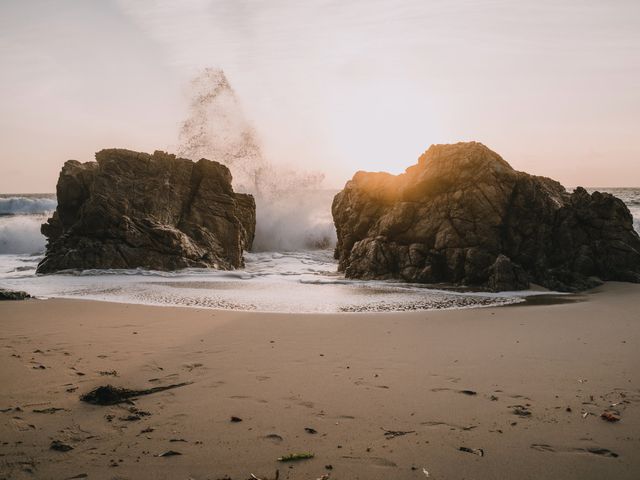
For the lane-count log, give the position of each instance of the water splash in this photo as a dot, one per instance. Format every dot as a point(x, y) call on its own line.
point(293, 212)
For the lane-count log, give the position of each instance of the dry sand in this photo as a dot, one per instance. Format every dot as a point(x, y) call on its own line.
point(350, 377)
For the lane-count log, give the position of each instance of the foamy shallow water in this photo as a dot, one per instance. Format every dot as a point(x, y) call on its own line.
point(292, 282)
point(295, 282)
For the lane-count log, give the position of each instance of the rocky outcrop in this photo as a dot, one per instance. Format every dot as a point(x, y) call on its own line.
point(463, 216)
point(130, 210)
point(13, 295)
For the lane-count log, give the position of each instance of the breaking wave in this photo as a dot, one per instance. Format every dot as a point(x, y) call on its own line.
point(20, 220)
point(19, 205)
point(21, 234)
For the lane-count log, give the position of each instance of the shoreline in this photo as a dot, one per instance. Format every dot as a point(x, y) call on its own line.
point(351, 378)
point(450, 298)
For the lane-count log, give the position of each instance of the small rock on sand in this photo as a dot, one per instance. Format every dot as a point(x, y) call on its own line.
point(59, 446)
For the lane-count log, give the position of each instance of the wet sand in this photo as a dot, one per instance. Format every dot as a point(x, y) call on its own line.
point(388, 395)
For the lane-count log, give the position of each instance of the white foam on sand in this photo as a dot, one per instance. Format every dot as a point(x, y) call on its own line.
point(302, 281)
point(296, 282)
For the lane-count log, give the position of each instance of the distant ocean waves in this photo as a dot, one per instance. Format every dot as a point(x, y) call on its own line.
point(29, 204)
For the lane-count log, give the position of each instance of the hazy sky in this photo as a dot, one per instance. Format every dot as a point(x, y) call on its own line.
point(338, 86)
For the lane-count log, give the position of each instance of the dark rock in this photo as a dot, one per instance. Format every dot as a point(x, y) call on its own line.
point(475, 451)
point(130, 209)
point(13, 295)
point(463, 216)
point(469, 392)
point(59, 446)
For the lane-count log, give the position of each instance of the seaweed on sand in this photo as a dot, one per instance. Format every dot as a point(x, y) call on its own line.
point(292, 457)
point(110, 395)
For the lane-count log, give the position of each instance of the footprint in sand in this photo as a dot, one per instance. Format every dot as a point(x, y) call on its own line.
point(602, 452)
point(191, 366)
point(471, 393)
point(375, 461)
point(160, 379)
point(361, 382)
point(382, 462)
point(273, 438)
point(215, 384)
point(20, 425)
point(451, 426)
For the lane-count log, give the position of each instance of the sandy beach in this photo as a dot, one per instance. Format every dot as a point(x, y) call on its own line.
point(372, 396)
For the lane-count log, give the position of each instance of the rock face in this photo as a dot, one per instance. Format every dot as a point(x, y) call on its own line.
point(13, 295)
point(130, 209)
point(462, 215)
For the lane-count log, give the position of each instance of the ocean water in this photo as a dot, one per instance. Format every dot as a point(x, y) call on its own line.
point(289, 280)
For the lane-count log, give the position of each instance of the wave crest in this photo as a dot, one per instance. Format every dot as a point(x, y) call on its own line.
point(27, 205)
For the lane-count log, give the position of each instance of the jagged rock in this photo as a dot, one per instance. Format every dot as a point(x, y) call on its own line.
point(462, 215)
point(130, 209)
point(13, 295)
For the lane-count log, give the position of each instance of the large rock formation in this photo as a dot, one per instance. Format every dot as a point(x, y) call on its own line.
point(130, 209)
point(462, 215)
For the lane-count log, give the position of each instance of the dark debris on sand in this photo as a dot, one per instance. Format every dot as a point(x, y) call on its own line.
point(475, 451)
point(169, 453)
point(389, 434)
point(50, 410)
point(521, 411)
point(610, 416)
point(468, 392)
point(110, 395)
point(59, 446)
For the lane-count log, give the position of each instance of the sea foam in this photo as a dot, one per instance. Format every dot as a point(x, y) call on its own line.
point(292, 279)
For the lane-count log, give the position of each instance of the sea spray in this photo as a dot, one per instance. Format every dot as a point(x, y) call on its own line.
point(216, 128)
point(21, 234)
point(20, 220)
point(295, 220)
point(293, 212)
